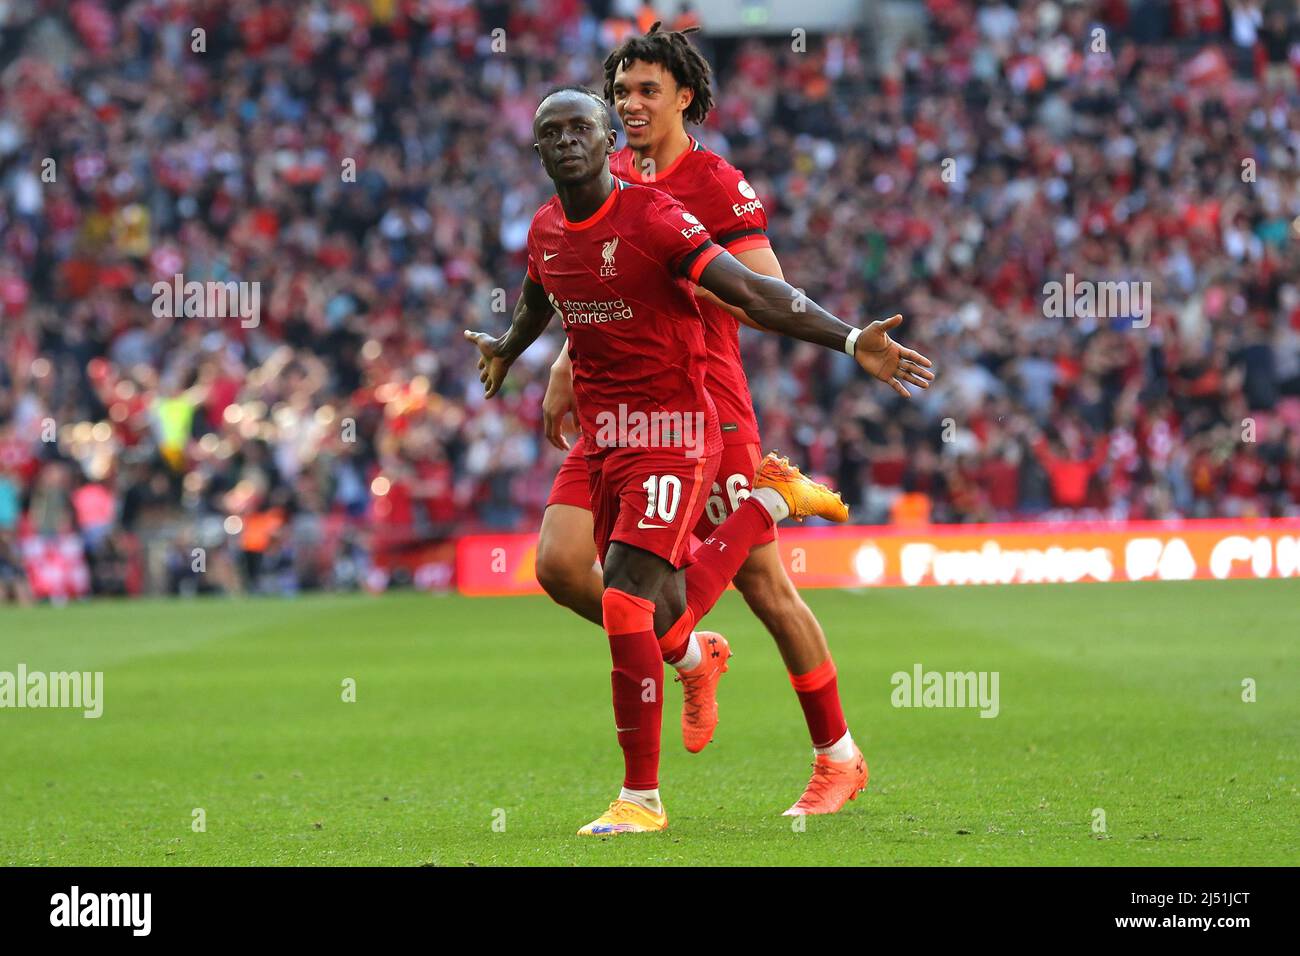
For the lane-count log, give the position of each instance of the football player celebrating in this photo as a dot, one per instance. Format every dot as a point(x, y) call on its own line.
point(618, 261)
point(658, 83)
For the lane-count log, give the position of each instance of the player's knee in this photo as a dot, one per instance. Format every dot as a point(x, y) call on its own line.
point(560, 576)
point(566, 558)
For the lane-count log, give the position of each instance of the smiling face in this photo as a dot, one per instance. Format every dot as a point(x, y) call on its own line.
point(648, 101)
point(573, 137)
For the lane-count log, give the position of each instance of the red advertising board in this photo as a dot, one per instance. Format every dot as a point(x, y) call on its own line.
point(1027, 553)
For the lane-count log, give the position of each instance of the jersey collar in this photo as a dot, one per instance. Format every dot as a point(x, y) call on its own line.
point(600, 213)
point(635, 174)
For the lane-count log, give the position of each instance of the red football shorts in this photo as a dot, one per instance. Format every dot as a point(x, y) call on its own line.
point(650, 500)
point(571, 486)
point(730, 486)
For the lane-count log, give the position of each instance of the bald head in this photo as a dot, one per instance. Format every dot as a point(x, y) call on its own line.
point(580, 98)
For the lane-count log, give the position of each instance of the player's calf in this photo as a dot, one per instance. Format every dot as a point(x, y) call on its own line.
point(637, 684)
point(633, 577)
point(766, 587)
point(773, 598)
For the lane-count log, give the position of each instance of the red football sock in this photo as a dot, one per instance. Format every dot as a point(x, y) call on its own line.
point(637, 681)
point(720, 556)
point(819, 696)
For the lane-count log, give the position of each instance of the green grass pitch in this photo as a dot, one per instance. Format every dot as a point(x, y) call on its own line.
point(482, 733)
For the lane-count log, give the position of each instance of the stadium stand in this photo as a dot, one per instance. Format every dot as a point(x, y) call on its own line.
point(948, 162)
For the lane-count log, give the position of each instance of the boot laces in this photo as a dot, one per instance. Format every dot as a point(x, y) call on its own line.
point(823, 778)
point(692, 689)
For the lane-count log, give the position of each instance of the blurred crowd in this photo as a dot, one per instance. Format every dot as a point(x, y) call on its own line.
point(366, 164)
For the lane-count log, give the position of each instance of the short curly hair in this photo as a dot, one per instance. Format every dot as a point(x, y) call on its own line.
point(673, 51)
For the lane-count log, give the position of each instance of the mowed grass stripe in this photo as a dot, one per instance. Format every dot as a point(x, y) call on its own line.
point(1124, 698)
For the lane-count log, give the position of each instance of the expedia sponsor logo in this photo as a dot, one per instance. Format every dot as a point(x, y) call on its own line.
point(578, 312)
point(747, 191)
point(696, 227)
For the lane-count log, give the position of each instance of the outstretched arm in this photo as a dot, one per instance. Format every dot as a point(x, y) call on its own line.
point(774, 304)
point(533, 313)
point(761, 260)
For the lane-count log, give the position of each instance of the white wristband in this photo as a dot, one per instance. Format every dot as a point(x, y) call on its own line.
point(851, 341)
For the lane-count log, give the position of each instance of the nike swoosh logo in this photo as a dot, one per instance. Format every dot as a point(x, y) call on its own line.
point(650, 527)
point(548, 256)
point(623, 730)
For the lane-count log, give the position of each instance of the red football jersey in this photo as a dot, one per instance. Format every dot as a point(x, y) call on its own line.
point(621, 281)
point(717, 194)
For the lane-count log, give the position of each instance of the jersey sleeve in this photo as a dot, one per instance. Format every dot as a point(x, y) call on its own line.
point(679, 239)
point(733, 212)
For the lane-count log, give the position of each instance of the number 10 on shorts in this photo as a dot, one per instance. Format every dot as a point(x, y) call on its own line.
point(663, 494)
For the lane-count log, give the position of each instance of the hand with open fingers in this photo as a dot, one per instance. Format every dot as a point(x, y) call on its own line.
point(890, 362)
point(492, 367)
point(558, 403)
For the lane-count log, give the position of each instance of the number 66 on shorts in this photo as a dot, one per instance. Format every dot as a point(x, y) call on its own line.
point(730, 487)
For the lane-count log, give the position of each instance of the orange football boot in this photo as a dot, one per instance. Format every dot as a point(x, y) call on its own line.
point(803, 495)
point(700, 691)
point(833, 784)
